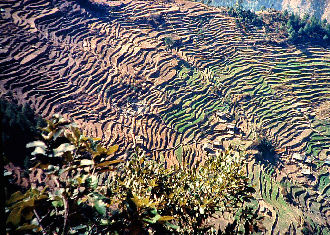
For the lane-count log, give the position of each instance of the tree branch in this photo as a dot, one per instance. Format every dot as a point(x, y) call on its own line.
point(39, 222)
point(66, 214)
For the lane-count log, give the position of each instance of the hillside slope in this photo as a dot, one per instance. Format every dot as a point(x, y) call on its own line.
point(319, 8)
point(181, 80)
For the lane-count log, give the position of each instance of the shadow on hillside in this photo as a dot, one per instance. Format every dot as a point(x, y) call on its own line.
point(19, 126)
point(100, 11)
point(267, 155)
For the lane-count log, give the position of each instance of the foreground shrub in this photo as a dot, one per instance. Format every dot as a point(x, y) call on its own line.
point(189, 195)
point(86, 191)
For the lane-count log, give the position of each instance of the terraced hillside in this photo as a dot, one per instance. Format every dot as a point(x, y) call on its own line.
point(181, 80)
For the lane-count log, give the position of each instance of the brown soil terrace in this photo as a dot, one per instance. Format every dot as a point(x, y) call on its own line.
point(112, 73)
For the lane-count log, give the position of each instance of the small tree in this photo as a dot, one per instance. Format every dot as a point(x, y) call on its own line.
point(89, 192)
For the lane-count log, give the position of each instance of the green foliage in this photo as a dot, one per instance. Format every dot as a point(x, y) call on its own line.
point(72, 164)
point(188, 195)
point(22, 206)
point(245, 220)
point(324, 180)
point(308, 29)
point(89, 192)
point(312, 228)
point(170, 43)
point(285, 13)
point(245, 17)
point(179, 154)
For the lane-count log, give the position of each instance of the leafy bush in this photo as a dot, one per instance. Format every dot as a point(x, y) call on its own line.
point(70, 163)
point(87, 191)
point(188, 195)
